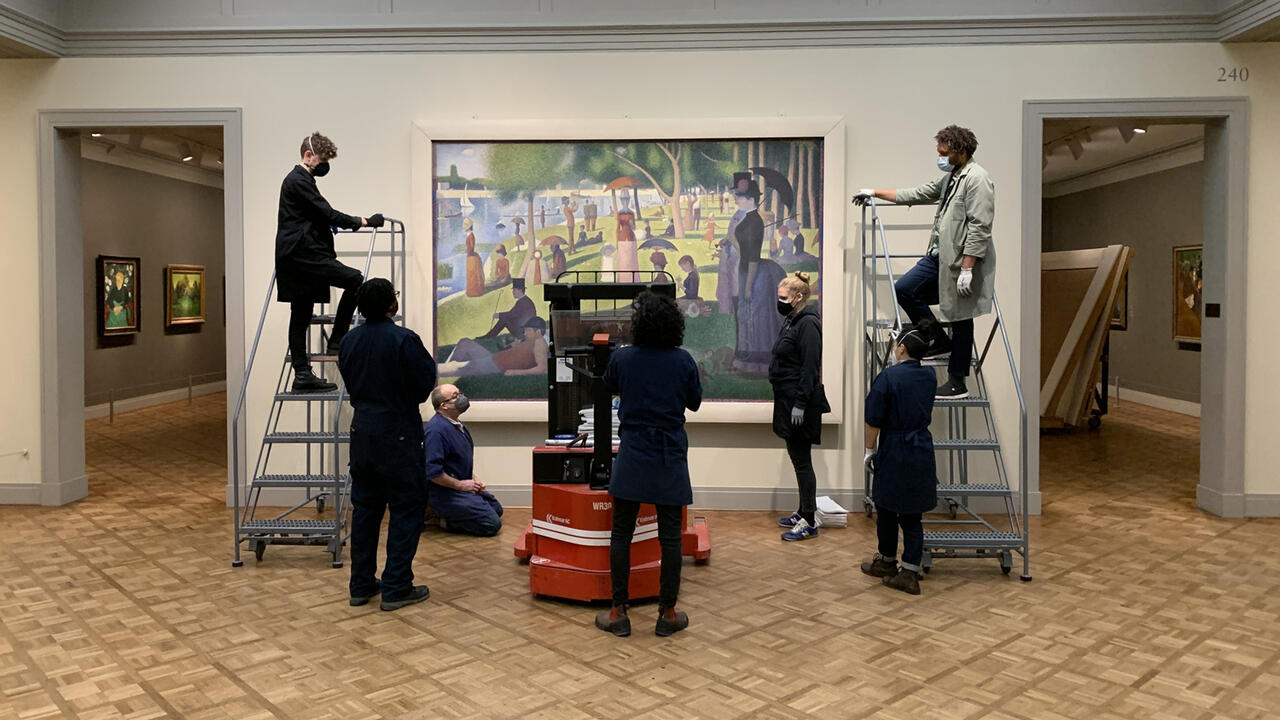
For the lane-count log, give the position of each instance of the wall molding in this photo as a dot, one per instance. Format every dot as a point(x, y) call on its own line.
point(152, 399)
point(1182, 407)
point(108, 30)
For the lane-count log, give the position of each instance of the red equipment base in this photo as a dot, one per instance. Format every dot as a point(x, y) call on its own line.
point(567, 544)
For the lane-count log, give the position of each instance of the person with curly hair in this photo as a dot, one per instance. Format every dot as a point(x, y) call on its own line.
point(656, 381)
point(958, 270)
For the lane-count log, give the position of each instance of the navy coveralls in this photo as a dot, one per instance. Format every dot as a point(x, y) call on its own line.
point(388, 374)
point(900, 404)
point(654, 387)
point(451, 451)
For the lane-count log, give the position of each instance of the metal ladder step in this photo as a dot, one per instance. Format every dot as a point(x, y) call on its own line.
point(327, 319)
point(948, 539)
point(966, 444)
point(307, 397)
point(285, 526)
point(961, 402)
point(973, 490)
point(304, 437)
point(314, 357)
point(300, 481)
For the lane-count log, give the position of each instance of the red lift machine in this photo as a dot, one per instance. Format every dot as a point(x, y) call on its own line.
point(567, 541)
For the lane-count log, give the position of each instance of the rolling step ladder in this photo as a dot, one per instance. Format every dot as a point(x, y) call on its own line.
point(311, 423)
point(981, 516)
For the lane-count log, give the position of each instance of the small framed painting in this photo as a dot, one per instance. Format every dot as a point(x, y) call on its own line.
point(184, 295)
point(119, 291)
point(1188, 282)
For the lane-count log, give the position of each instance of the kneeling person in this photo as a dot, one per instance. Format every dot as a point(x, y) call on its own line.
point(899, 409)
point(458, 498)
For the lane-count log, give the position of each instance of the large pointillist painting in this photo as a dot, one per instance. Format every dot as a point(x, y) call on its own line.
point(510, 217)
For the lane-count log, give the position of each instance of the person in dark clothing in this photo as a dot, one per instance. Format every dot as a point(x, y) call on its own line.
point(388, 374)
point(899, 409)
point(655, 380)
point(521, 312)
point(306, 263)
point(799, 399)
point(459, 499)
point(691, 279)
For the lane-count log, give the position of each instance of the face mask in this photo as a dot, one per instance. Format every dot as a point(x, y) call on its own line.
point(461, 403)
point(785, 308)
point(944, 164)
point(321, 170)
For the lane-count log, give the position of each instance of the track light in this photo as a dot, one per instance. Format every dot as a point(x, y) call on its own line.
point(1140, 129)
point(219, 158)
point(95, 134)
point(1076, 148)
point(184, 150)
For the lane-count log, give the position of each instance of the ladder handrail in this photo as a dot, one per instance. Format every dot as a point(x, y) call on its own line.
point(1022, 436)
point(235, 416)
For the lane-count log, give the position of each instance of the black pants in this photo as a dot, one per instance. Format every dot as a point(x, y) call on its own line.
point(387, 472)
point(887, 524)
point(624, 528)
point(336, 275)
point(916, 291)
point(800, 450)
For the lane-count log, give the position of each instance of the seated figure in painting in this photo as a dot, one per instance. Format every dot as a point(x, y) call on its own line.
point(458, 498)
point(521, 311)
point(527, 356)
point(501, 266)
point(691, 279)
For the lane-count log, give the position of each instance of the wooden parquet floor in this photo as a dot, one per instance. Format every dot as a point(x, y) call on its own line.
point(125, 606)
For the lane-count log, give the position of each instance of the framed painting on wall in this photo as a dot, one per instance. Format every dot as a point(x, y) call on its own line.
point(1120, 316)
point(184, 295)
point(1188, 282)
point(119, 292)
point(521, 203)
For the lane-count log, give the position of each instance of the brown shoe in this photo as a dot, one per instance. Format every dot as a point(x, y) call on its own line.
point(905, 581)
point(880, 566)
point(670, 621)
point(614, 620)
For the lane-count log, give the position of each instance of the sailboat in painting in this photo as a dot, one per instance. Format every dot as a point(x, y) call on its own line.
point(467, 206)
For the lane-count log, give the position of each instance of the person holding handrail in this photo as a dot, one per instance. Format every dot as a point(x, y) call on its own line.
point(306, 262)
point(957, 272)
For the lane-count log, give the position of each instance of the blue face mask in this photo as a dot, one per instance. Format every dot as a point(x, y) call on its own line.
point(945, 165)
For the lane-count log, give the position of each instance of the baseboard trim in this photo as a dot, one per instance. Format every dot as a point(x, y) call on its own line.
point(1229, 505)
point(781, 499)
point(52, 495)
point(1262, 505)
point(144, 401)
point(1182, 407)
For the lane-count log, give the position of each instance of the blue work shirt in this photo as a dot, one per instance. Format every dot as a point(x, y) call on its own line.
point(450, 451)
point(654, 386)
point(900, 404)
point(388, 374)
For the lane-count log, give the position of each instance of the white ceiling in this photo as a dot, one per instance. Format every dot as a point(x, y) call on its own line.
point(1105, 148)
point(159, 149)
point(84, 28)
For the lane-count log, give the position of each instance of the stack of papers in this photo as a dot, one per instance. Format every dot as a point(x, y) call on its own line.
point(830, 514)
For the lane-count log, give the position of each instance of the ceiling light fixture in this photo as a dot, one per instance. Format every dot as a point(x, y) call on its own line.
point(96, 135)
point(1076, 148)
point(1126, 132)
point(1140, 129)
point(185, 150)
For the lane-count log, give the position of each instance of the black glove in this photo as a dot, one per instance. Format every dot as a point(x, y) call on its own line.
point(375, 221)
point(797, 416)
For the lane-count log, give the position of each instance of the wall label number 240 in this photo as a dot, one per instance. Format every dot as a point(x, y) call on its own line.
point(1240, 74)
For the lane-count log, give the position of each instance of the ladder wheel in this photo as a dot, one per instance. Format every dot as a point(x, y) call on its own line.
point(320, 505)
point(1095, 421)
point(951, 507)
point(1006, 562)
point(259, 547)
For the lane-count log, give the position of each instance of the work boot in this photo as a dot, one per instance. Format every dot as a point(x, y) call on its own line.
point(614, 620)
point(953, 389)
point(305, 381)
point(880, 566)
point(358, 600)
point(670, 621)
point(416, 595)
point(905, 581)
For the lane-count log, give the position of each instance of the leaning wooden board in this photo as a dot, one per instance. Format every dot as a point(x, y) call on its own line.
point(1079, 394)
point(1088, 310)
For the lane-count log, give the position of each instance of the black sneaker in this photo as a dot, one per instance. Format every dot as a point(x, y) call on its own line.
point(940, 346)
point(358, 600)
point(905, 581)
point(670, 621)
point(953, 389)
point(880, 566)
point(614, 620)
point(416, 595)
point(305, 381)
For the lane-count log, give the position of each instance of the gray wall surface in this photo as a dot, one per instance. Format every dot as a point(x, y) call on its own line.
point(1151, 214)
point(163, 222)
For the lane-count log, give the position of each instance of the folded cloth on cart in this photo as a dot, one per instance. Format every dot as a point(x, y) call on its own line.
point(830, 514)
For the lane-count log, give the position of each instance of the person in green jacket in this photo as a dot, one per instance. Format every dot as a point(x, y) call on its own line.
point(957, 272)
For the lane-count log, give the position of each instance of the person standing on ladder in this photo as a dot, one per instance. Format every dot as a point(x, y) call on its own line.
point(306, 262)
point(958, 271)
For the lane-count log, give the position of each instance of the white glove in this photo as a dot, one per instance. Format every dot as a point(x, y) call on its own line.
point(864, 196)
point(870, 454)
point(964, 282)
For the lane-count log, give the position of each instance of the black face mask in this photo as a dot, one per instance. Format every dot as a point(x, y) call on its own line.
point(321, 169)
point(785, 308)
point(461, 403)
